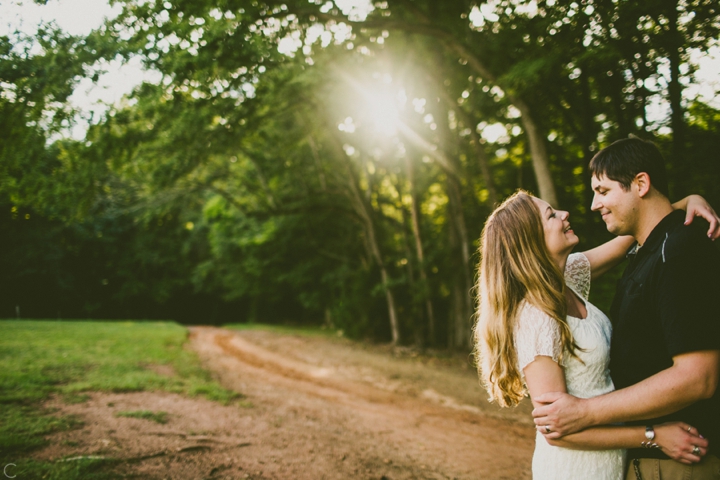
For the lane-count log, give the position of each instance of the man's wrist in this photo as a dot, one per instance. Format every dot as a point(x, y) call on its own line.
point(590, 412)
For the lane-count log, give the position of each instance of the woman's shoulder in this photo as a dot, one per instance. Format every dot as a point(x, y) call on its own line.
point(536, 333)
point(577, 260)
point(578, 274)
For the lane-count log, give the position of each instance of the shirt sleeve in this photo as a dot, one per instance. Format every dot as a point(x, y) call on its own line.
point(687, 295)
point(536, 334)
point(577, 274)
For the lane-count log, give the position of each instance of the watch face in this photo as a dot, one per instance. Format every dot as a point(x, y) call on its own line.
point(649, 433)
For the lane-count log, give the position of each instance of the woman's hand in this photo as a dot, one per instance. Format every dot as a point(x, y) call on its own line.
point(678, 441)
point(696, 206)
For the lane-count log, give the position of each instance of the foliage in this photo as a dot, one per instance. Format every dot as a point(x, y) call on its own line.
point(316, 163)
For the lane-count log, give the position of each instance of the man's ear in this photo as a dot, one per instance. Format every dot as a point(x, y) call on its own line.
point(642, 183)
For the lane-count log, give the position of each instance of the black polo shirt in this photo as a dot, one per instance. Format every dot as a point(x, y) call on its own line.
point(666, 304)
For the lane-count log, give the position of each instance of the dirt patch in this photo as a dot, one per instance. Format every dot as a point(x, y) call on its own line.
point(321, 408)
point(164, 370)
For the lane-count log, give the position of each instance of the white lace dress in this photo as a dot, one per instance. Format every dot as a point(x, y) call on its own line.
point(538, 334)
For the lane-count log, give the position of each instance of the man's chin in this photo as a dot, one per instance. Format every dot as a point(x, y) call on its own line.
point(611, 228)
point(615, 230)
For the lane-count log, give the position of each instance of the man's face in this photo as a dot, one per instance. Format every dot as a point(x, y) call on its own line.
point(618, 207)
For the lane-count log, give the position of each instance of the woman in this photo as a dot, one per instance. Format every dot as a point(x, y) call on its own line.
point(537, 333)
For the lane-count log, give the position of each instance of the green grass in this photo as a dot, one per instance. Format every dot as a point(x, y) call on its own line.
point(157, 417)
point(42, 358)
point(309, 331)
point(80, 469)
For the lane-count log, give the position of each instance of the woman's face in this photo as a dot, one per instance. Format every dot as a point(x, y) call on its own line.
point(559, 237)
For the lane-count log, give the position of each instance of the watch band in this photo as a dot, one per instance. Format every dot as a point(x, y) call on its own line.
point(650, 436)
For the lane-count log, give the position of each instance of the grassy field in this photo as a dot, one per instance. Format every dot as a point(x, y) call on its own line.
point(70, 358)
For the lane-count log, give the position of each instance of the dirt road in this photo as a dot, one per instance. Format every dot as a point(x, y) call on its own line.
point(316, 408)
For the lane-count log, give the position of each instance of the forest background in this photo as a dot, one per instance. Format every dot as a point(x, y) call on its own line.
point(327, 163)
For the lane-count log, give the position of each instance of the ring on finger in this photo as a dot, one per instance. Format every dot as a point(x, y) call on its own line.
point(547, 429)
point(688, 429)
point(696, 450)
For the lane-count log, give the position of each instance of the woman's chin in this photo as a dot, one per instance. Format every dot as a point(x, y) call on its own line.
point(573, 239)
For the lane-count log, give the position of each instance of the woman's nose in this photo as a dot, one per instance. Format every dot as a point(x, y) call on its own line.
point(565, 215)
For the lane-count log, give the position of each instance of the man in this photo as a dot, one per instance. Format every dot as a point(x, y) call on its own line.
point(665, 349)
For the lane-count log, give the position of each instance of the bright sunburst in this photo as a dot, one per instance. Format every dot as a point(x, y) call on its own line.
point(382, 107)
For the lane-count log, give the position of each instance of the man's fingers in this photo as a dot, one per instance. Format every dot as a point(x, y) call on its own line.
point(541, 411)
point(548, 397)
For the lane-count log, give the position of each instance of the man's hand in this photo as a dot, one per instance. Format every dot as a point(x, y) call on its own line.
point(558, 414)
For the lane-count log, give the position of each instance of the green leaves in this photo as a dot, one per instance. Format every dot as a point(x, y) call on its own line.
point(302, 162)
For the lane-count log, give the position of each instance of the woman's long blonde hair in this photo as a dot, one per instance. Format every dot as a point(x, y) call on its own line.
point(515, 265)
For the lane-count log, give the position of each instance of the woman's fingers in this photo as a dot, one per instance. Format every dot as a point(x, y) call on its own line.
point(696, 454)
point(682, 442)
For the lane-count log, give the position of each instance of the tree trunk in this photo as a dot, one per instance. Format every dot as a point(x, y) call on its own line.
point(480, 154)
point(588, 134)
point(364, 212)
point(674, 87)
point(457, 220)
point(464, 307)
point(456, 328)
point(538, 152)
point(415, 216)
point(318, 163)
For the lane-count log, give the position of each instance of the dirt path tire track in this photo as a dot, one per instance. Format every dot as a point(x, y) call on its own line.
point(339, 421)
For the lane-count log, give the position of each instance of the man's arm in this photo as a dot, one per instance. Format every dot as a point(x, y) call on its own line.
point(675, 439)
point(692, 377)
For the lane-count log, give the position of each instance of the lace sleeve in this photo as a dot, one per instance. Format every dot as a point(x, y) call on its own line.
point(536, 334)
point(577, 274)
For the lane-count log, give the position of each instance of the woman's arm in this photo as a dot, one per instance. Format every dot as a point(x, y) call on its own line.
point(675, 439)
point(609, 254)
point(697, 206)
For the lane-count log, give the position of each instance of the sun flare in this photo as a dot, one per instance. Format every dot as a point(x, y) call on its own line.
point(382, 109)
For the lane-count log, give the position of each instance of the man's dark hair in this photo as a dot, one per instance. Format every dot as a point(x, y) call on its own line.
point(624, 159)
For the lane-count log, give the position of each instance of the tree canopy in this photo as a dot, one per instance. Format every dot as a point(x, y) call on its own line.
point(327, 162)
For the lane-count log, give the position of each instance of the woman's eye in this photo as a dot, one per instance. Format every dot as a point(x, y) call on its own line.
point(552, 215)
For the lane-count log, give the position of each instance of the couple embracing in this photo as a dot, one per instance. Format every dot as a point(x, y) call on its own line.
point(633, 399)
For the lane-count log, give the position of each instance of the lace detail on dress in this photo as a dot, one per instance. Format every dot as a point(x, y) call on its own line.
point(577, 274)
point(536, 333)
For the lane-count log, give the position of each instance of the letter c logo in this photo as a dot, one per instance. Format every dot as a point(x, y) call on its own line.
point(6, 472)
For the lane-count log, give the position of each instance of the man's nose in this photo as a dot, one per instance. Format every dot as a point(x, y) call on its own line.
point(595, 203)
